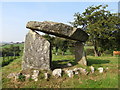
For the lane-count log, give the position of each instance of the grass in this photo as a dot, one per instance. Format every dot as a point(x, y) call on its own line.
point(8, 45)
point(89, 47)
point(108, 79)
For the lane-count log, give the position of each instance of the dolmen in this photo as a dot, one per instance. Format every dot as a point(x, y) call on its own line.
point(37, 50)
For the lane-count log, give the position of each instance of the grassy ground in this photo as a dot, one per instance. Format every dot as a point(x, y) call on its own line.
point(108, 79)
point(8, 45)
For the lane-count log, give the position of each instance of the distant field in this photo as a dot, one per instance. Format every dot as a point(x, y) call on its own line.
point(59, 51)
point(8, 45)
point(22, 45)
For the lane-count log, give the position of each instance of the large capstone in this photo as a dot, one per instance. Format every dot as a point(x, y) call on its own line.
point(80, 56)
point(37, 54)
point(58, 29)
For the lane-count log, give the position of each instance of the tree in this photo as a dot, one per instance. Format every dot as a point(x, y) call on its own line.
point(64, 46)
point(50, 39)
point(60, 44)
point(99, 23)
point(57, 44)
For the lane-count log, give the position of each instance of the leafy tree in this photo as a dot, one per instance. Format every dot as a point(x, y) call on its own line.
point(100, 24)
point(11, 51)
point(50, 39)
point(64, 46)
point(57, 44)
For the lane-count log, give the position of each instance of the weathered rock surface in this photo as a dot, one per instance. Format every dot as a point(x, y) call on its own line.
point(46, 75)
point(58, 29)
point(35, 75)
point(83, 71)
point(37, 53)
point(69, 64)
point(57, 73)
point(11, 75)
point(76, 70)
point(100, 70)
point(70, 73)
point(80, 57)
point(92, 69)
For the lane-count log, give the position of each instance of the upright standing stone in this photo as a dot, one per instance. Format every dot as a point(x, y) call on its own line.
point(80, 54)
point(37, 53)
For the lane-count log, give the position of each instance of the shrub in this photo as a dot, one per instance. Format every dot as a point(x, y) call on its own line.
point(89, 51)
point(108, 52)
point(72, 50)
point(21, 77)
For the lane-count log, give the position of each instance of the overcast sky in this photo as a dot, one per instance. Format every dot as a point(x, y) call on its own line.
point(15, 15)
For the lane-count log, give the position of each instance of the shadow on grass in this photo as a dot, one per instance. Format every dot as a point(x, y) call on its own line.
point(96, 61)
point(6, 62)
point(62, 63)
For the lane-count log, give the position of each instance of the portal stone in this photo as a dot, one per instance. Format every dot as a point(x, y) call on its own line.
point(37, 54)
point(80, 57)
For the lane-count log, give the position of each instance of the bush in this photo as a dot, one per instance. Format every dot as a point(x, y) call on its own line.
point(21, 77)
point(89, 52)
point(6, 62)
point(72, 50)
point(108, 52)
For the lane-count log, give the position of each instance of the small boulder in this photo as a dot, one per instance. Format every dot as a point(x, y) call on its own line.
point(35, 75)
point(69, 64)
point(11, 75)
point(17, 75)
point(100, 70)
point(107, 68)
point(92, 69)
point(70, 73)
point(76, 70)
point(83, 71)
point(46, 75)
point(27, 76)
point(57, 72)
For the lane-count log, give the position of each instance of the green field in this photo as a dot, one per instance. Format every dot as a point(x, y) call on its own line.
point(8, 45)
point(108, 79)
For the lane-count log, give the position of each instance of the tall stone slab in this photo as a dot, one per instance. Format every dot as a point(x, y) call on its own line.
point(37, 54)
point(80, 57)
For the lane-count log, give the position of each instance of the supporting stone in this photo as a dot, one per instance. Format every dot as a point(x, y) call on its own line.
point(37, 54)
point(80, 57)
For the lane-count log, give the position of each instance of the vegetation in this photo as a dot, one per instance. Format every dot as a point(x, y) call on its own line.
point(59, 44)
point(108, 79)
point(102, 26)
point(104, 30)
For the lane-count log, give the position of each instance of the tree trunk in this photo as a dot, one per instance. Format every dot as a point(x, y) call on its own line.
point(96, 51)
point(14, 55)
point(8, 57)
point(3, 58)
point(62, 53)
point(56, 51)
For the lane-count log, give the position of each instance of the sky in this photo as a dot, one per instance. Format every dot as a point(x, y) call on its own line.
point(15, 15)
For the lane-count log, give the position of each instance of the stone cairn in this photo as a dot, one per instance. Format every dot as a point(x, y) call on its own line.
point(37, 51)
